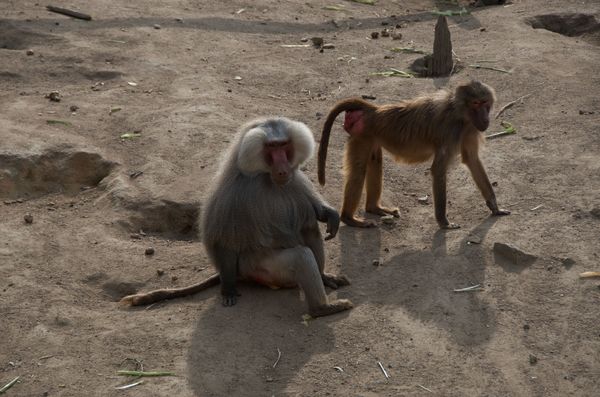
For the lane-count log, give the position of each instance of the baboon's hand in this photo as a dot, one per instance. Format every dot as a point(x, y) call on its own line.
point(332, 218)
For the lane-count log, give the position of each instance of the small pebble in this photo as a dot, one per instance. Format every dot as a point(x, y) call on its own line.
point(149, 251)
point(377, 262)
point(388, 219)
point(423, 200)
point(157, 26)
point(385, 33)
point(160, 272)
point(526, 327)
point(29, 52)
point(173, 278)
point(74, 108)
point(28, 218)
point(396, 36)
point(374, 35)
point(317, 41)
point(54, 96)
point(328, 46)
point(532, 359)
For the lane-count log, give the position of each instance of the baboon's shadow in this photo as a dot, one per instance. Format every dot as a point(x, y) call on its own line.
point(233, 349)
point(422, 283)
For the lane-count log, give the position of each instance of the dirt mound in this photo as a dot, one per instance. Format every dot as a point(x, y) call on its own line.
point(169, 219)
point(30, 175)
point(567, 24)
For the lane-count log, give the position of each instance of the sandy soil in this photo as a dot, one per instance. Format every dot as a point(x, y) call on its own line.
point(167, 70)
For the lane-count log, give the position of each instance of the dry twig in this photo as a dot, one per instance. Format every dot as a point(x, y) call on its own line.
point(510, 104)
point(278, 357)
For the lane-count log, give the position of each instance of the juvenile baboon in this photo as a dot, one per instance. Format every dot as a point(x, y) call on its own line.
point(260, 221)
point(441, 126)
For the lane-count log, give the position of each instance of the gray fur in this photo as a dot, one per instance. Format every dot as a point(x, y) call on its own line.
point(249, 212)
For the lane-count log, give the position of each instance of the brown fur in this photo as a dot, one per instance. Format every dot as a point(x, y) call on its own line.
point(441, 126)
point(259, 230)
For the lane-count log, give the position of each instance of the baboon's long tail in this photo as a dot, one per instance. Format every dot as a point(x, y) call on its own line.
point(342, 106)
point(171, 293)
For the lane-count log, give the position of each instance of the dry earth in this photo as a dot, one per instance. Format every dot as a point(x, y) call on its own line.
point(61, 329)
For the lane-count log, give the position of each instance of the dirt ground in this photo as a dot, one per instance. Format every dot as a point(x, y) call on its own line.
point(184, 75)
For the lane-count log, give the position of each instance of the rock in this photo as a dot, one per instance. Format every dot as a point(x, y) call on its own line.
point(317, 41)
point(54, 96)
point(74, 108)
point(513, 254)
point(377, 262)
point(374, 35)
point(328, 46)
point(28, 218)
point(388, 219)
point(385, 33)
point(423, 200)
point(396, 36)
point(149, 251)
point(157, 26)
point(29, 52)
point(160, 272)
point(532, 359)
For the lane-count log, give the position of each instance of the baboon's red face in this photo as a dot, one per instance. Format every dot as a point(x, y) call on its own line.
point(479, 112)
point(278, 156)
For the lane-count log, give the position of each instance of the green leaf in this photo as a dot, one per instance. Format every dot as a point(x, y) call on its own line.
point(58, 122)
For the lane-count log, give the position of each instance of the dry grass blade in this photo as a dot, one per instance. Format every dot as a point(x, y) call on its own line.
point(278, 358)
point(472, 288)
point(129, 386)
point(589, 274)
point(476, 66)
point(393, 73)
point(145, 373)
point(9, 385)
point(383, 370)
point(407, 50)
point(334, 8)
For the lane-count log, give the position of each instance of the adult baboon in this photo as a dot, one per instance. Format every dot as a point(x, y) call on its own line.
point(261, 218)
